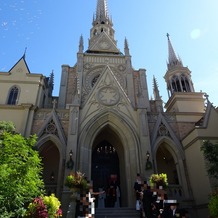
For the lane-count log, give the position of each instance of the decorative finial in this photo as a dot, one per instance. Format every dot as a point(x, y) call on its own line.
point(173, 60)
point(126, 47)
point(206, 96)
point(24, 54)
point(81, 46)
point(54, 102)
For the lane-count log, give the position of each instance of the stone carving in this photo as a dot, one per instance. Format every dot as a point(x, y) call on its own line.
point(121, 67)
point(95, 73)
point(163, 131)
point(108, 96)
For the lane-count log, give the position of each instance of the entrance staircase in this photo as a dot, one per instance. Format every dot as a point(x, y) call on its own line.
point(122, 212)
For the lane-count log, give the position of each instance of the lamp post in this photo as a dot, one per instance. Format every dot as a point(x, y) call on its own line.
point(70, 162)
point(148, 165)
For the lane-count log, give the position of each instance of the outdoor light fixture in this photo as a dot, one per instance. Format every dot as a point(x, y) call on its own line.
point(148, 165)
point(70, 162)
point(147, 155)
point(52, 177)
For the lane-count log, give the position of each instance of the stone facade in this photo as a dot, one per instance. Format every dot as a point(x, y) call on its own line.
point(104, 116)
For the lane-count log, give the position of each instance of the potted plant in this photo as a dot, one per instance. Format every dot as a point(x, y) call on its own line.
point(159, 180)
point(77, 182)
point(44, 207)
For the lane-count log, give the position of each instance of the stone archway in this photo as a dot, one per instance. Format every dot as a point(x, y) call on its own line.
point(50, 161)
point(52, 152)
point(166, 164)
point(123, 137)
point(107, 151)
point(105, 162)
point(170, 159)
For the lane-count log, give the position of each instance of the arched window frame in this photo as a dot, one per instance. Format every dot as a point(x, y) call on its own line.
point(185, 83)
point(13, 95)
point(175, 84)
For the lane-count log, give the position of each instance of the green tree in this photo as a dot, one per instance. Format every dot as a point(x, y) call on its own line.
point(20, 171)
point(7, 126)
point(210, 151)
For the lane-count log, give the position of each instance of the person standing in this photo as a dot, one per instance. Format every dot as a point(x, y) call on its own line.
point(111, 194)
point(155, 213)
point(137, 188)
point(173, 211)
point(101, 198)
point(147, 200)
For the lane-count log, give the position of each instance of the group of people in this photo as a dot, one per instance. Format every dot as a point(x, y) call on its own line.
point(154, 203)
point(87, 201)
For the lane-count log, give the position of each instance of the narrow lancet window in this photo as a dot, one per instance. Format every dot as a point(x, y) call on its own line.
point(13, 96)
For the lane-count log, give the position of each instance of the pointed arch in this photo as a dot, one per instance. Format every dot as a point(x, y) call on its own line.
point(178, 161)
point(54, 139)
point(13, 95)
point(172, 147)
point(52, 125)
point(126, 143)
point(170, 136)
point(56, 144)
point(185, 83)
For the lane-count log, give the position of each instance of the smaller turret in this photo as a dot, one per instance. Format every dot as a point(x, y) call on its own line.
point(156, 89)
point(51, 83)
point(157, 102)
point(126, 47)
point(182, 96)
point(81, 44)
point(177, 77)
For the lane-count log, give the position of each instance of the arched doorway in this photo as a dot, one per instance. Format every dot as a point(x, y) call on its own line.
point(105, 163)
point(117, 132)
point(50, 160)
point(166, 164)
point(106, 172)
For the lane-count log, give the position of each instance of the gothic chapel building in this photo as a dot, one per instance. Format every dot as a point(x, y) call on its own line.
point(104, 124)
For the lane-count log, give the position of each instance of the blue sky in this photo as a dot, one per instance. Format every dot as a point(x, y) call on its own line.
point(50, 29)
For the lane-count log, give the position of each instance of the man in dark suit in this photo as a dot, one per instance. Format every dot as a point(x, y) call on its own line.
point(172, 211)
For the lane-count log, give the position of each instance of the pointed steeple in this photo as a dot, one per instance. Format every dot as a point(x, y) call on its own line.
point(102, 12)
point(51, 80)
point(102, 32)
point(173, 60)
point(156, 89)
point(126, 47)
point(81, 46)
point(51, 83)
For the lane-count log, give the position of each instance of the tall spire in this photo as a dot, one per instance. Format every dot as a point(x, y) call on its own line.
point(126, 47)
point(81, 46)
point(101, 11)
point(156, 89)
point(173, 60)
point(102, 29)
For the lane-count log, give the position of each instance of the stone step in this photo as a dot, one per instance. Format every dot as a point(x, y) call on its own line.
point(124, 212)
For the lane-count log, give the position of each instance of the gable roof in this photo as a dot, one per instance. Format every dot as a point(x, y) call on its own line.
point(21, 64)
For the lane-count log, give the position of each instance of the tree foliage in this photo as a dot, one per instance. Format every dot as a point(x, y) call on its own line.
point(213, 204)
point(7, 126)
point(20, 170)
point(210, 151)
